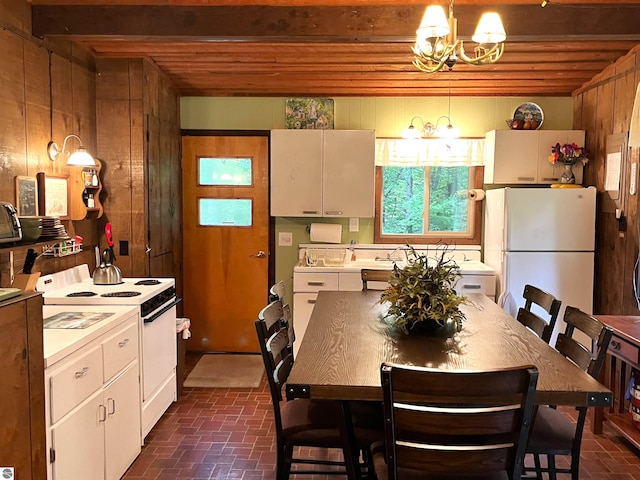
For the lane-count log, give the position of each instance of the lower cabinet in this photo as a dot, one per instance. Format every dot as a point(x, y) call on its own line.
point(94, 408)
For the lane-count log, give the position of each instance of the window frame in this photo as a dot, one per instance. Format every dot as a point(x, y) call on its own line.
point(476, 176)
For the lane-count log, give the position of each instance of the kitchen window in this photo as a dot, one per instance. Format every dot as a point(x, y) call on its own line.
point(427, 204)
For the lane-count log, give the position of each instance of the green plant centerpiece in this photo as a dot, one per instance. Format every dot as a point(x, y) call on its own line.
point(421, 294)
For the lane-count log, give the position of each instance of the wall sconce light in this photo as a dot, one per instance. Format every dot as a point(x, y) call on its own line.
point(430, 130)
point(79, 158)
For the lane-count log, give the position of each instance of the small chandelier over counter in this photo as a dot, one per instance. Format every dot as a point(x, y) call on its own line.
point(437, 45)
point(430, 130)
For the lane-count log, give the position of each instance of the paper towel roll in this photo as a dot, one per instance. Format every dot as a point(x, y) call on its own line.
point(325, 233)
point(475, 195)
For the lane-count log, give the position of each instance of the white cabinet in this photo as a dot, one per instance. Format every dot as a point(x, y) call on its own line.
point(322, 173)
point(93, 407)
point(522, 156)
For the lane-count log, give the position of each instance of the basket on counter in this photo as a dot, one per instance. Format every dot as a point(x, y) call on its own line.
point(326, 257)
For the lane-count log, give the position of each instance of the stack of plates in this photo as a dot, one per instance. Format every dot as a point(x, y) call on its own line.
point(52, 228)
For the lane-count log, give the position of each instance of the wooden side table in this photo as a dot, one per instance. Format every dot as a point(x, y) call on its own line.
point(623, 356)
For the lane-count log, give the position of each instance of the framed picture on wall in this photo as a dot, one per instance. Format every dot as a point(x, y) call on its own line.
point(26, 196)
point(53, 195)
point(313, 113)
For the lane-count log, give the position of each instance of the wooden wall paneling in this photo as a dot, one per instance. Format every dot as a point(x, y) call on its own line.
point(623, 103)
point(114, 144)
point(112, 78)
point(138, 244)
point(38, 111)
point(154, 188)
point(84, 107)
point(151, 91)
point(16, 13)
point(12, 120)
point(615, 242)
point(176, 218)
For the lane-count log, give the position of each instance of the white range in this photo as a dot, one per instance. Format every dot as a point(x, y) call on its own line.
point(156, 300)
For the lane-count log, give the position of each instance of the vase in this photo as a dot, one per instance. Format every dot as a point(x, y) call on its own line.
point(567, 175)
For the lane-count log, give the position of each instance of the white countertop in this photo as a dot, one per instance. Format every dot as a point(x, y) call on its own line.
point(469, 267)
point(60, 342)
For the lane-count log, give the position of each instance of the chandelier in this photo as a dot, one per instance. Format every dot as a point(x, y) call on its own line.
point(437, 45)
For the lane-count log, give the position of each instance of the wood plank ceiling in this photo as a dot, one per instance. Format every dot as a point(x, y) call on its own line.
point(344, 47)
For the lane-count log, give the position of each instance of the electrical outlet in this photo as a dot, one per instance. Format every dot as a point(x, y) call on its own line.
point(285, 239)
point(124, 248)
point(354, 224)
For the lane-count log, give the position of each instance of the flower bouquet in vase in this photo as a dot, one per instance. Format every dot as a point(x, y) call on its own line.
point(568, 155)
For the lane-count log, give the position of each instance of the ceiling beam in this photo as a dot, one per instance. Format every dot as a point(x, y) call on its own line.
point(323, 24)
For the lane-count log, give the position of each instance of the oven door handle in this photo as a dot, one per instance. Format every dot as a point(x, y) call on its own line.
point(163, 311)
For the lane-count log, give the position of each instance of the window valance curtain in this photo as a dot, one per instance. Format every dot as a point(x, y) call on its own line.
point(438, 152)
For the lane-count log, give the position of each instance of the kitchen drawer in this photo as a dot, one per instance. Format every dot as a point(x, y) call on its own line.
point(625, 350)
point(120, 349)
point(485, 284)
point(74, 382)
point(314, 282)
point(350, 282)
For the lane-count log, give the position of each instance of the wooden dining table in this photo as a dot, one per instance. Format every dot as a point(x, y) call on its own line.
point(348, 338)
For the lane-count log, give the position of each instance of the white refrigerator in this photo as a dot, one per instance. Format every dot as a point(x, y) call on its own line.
point(543, 237)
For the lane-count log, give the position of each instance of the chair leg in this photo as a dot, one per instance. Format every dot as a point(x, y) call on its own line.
point(575, 467)
point(551, 461)
point(283, 467)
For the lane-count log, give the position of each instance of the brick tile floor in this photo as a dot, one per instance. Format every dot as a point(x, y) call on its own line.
point(228, 434)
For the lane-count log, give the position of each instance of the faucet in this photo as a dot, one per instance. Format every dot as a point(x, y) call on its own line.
point(389, 257)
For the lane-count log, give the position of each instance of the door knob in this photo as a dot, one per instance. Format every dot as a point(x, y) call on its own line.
point(260, 254)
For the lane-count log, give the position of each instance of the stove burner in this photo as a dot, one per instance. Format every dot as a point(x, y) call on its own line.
point(148, 282)
point(121, 294)
point(81, 294)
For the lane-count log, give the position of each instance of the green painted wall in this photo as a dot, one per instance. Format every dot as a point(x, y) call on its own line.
point(473, 116)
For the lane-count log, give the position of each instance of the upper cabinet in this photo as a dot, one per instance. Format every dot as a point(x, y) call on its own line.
point(522, 156)
point(322, 173)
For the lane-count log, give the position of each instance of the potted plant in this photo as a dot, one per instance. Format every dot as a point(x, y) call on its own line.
point(422, 295)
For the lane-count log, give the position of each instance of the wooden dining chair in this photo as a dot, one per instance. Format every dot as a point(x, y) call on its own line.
point(548, 303)
point(467, 424)
point(373, 275)
point(553, 433)
point(304, 422)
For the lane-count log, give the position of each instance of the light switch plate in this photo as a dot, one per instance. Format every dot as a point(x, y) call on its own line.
point(354, 224)
point(285, 239)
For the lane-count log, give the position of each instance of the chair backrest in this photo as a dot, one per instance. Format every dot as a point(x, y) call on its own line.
point(457, 422)
point(277, 356)
point(276, 292)
point(272, 316)
point(275, 316)
point(547, 302)
point(588, 357)
point(373, 275)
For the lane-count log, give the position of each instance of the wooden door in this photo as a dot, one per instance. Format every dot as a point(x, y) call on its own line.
point(226, 240)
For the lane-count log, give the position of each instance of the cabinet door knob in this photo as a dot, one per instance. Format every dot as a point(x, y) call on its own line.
point(82, 372)
point(123, 343)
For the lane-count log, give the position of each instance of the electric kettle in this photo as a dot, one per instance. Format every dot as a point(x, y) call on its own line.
point(107, 273)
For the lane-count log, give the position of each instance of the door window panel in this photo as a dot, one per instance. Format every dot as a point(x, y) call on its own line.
point(223, 212)
point(224, 171)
